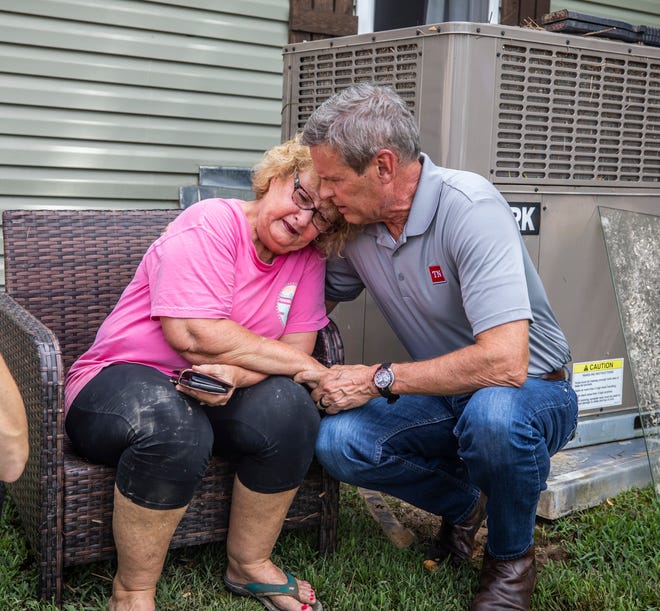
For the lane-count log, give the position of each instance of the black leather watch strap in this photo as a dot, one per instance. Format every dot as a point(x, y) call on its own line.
point(383, 380)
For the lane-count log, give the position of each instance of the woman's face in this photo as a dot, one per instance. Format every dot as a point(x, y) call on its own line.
point(282, 226)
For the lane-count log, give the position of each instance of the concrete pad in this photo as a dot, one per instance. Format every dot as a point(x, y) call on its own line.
point(585, 477)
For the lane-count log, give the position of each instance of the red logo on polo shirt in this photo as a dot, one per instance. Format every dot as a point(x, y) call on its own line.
point(437, 277)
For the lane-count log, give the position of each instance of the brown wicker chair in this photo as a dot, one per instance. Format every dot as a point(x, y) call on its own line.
point(64, 271)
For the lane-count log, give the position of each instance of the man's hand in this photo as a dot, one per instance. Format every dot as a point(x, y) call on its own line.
point(340, 387)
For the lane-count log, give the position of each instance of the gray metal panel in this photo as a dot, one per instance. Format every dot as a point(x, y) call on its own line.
point(575, 272)
point(576, 113)
point(632, 242)
point(366, 334)
point(318, 70)
point(218, 181)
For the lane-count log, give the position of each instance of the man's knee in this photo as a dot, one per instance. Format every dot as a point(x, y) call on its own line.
point(337, 451)
point(331, 439)
point(490, 428)
point(495, 410)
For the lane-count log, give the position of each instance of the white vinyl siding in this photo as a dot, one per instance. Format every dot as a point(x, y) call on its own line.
point(635, 12)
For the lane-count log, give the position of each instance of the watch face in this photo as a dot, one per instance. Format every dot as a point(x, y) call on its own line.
point(383, 378)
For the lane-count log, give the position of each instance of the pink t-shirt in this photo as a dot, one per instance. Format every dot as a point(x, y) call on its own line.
point(204, 266)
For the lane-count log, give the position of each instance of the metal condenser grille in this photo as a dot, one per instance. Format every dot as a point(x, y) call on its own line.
point(574, 115)
point(323, 73)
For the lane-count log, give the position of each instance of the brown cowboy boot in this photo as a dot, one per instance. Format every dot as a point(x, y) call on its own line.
point(456, 541)
point(506, 585)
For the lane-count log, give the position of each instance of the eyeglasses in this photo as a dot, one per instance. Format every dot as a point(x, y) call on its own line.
point(304, 201)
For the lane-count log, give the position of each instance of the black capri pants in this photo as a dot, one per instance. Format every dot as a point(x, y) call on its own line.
point(131, 417)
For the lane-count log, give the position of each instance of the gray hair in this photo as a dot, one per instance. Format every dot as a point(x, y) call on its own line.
point(359, 121)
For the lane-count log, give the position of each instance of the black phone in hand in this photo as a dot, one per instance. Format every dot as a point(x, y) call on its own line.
point(200, 381)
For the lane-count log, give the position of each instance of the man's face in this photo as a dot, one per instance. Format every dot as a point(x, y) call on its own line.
point(358, 197)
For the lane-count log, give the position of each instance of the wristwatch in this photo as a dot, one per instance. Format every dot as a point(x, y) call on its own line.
point(383, 380)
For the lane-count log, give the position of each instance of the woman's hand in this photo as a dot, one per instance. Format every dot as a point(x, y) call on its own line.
point(228, 373)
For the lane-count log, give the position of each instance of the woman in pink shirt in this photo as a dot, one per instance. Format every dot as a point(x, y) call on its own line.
point(234, 289)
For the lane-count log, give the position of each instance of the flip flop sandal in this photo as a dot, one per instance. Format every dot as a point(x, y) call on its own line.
point(262, 591)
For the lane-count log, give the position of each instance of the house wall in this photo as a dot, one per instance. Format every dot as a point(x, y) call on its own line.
point(116, 104)
point(635, 12)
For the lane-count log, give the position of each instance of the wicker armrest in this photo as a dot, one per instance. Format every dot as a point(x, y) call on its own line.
point(33, 356)
point(329, 348)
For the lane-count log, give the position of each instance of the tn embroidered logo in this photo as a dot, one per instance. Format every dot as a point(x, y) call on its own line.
point(437, 277)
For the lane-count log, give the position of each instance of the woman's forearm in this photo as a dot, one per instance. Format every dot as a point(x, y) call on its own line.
point(223, 341)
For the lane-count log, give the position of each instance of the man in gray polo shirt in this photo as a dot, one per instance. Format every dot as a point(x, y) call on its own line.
point(468, 428)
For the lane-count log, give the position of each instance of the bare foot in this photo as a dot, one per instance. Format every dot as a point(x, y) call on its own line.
point(269, 573)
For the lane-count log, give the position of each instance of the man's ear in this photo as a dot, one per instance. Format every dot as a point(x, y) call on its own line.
point(386, 164)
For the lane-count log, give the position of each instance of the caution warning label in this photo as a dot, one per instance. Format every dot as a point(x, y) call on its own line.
point(598, 383)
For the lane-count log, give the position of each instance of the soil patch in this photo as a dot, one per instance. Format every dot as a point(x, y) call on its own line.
point(424, 526)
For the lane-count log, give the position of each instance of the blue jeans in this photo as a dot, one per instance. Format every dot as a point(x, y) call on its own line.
point(438, 452)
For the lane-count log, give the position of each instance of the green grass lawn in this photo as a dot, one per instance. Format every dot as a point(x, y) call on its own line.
point(605, 558)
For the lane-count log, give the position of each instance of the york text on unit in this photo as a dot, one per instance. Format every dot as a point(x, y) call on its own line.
point(528, 217)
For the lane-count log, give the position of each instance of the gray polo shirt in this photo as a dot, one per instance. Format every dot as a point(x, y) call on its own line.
point(459, 268)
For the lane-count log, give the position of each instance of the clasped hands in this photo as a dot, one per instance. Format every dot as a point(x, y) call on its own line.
point(340, 387)
point(333, 390)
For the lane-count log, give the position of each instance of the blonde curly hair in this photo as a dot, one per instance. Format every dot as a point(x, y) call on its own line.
point(282, 161)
